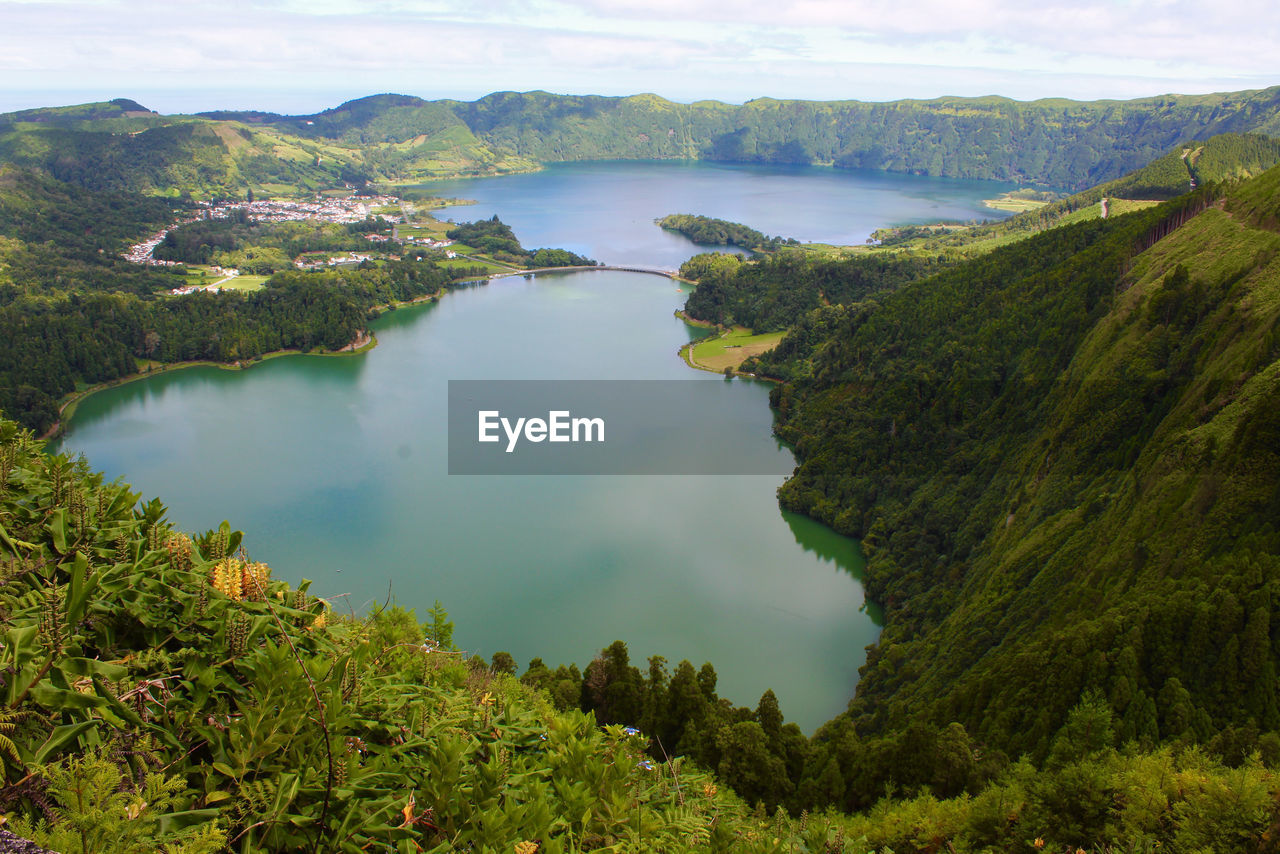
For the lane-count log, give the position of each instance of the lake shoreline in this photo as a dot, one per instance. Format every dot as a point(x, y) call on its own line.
point(363, 343)
point(686, 351)
point(209, 435)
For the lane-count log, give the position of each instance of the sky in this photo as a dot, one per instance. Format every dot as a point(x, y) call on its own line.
point(301, 56)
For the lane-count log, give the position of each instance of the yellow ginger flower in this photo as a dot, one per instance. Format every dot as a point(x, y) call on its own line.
point(240, 579)
point(180, 549)
point(227, 578)
point(254, 580)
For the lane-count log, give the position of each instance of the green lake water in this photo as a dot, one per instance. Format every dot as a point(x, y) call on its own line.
point(336, 469)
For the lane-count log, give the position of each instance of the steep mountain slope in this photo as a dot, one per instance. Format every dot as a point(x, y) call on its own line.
point(1062, 459)
point(1055, 142)
point(105, 147)
point(779, 291)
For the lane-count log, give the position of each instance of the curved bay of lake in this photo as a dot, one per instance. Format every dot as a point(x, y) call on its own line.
point(336, 468)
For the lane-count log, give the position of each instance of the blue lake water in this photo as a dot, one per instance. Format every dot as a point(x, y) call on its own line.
point(336, 467)
point(607, 210)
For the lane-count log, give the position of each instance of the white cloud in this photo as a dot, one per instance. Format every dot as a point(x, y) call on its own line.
point(869, 49)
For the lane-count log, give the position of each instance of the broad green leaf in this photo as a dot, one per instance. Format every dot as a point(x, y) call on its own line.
point(57, 528)
point(62, 699)
point(187, 818)
point(225, 770)
point(89, 667)
point(12, 544)
point(60, 738)
point(20, 644)
point(83, 584)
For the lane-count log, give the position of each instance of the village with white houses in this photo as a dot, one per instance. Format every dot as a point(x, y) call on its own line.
point(347, 210)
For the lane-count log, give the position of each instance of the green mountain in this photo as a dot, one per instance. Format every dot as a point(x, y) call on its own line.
point(178, 157)
point(1224, 157)
point(1053, 142)
point(1062, 460)
point(401, 139)
point(104, 146)
point(777, 292)
point(77, 116)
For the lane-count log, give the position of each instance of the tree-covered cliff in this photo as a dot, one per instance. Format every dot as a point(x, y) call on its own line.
point(1061, 460)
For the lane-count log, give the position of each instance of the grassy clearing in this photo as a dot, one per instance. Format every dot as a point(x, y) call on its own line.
point(271, 190)
point(1115, 207)
point(200, 276)
point(1009, 203)
point(203, 276)
point(730, 349)
point(426, 228)
point(454, 263)
point(242, 283)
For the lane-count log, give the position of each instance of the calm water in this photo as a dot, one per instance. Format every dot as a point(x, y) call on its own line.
point(336, 467)
point(607, 210)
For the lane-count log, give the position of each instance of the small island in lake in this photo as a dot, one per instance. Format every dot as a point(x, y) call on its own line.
point(706, 231)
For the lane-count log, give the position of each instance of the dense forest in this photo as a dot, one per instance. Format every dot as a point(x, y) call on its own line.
point(49, 346)
point(72, 312)
point(1061, 461)
point(777, 292)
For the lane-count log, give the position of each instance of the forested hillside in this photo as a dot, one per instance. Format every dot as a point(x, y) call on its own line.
point(402, 139)
point(73, 312)
point(778, 292)
point(1054, 142)
point(99, 147)
point(1062, 461)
